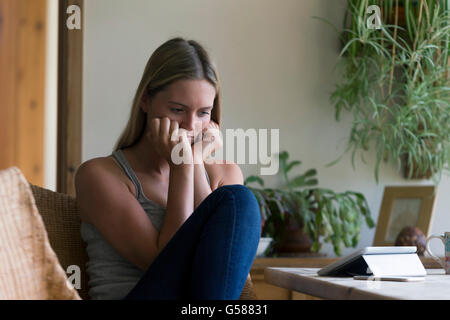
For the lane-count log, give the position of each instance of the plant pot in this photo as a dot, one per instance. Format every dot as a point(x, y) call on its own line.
point(294, 239)
point(264, 243)
point(415, 174)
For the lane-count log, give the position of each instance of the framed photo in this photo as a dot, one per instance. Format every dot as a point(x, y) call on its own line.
point(406, 206)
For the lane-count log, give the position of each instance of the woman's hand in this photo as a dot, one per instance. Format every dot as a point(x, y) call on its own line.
point(210, 141)
point(169, 140)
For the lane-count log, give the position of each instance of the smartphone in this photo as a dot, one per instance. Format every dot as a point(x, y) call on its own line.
point(390, 278)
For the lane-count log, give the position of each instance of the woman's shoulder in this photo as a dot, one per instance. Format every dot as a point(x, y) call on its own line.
point(99, 174)
point(99, 167)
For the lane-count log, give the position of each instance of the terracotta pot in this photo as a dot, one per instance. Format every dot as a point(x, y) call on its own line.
point(415, 174)
point(294, 240)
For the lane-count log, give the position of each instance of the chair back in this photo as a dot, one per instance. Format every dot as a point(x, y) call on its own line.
point(60, 215)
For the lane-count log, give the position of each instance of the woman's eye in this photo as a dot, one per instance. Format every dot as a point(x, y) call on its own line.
point(178, 110)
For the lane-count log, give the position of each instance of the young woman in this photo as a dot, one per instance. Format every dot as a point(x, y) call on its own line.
point(156, 228)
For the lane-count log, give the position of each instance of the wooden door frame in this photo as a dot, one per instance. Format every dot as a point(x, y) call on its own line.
point(70, 85)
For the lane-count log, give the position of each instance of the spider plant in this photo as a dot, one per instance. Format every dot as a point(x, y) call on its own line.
point(394, 82)
point(322, 213)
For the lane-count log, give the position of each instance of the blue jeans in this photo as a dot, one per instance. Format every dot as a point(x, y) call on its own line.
point(210, 255)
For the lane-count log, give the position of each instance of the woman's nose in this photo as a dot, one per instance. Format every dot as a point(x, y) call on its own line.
point(190, 124)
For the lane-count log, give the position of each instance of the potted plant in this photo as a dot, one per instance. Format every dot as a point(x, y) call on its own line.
point(300, 210)
point(394, 81)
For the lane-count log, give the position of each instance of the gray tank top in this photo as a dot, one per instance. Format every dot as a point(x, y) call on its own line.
point(110, 275)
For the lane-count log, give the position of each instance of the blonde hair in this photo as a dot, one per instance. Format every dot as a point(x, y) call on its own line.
point(175, 59)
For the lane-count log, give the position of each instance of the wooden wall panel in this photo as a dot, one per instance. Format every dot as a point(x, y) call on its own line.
point(8, 53)
point(22, 86)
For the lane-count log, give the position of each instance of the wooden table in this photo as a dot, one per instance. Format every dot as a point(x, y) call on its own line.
point(305, 280)
point(266, 291)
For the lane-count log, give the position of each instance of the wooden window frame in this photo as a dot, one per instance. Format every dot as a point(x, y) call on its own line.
point(70, 85)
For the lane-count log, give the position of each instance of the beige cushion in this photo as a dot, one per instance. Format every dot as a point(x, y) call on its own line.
point(29, 268)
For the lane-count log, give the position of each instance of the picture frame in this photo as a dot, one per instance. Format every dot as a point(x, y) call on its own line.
point(404, 206)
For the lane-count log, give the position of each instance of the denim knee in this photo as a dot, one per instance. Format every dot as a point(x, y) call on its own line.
point(245, 202)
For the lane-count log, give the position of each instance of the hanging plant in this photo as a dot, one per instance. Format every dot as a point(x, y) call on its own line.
point(394, 81)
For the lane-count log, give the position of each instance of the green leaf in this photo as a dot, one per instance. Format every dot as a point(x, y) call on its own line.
point(355, 240)
point(370, 222)
point(315, 246)
point(297, 182)
point(284, 155)
point(291, 165)
point(347, 240)
point(310, 173)
point(311, 182)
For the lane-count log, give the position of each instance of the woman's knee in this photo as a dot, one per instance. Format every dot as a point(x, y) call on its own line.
point(240, 193)
point(245, 202)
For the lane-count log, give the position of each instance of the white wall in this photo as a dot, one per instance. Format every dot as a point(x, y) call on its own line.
point(276, 65)
point(50, 95)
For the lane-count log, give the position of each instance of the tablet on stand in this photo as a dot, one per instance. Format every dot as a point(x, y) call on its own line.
point(379, 263)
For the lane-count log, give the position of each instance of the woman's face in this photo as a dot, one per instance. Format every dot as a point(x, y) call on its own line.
point(189, 102)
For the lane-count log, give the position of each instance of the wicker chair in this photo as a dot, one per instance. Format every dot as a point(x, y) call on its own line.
point(60, 215)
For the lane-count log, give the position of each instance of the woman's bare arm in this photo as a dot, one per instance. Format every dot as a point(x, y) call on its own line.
point(165, 135)
point(108, 204)
point(180, 202)
point(211, 141)
point(201, 186)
